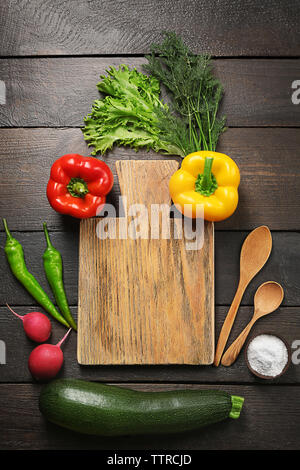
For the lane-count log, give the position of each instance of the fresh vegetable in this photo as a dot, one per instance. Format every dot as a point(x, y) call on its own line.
point(132, 113)
point(207, 179)
point(15, 256)
point(54, 272)
point(78, 185)
point(94, 408)
point(46, 360)
point(194, 91)
point(36, 325)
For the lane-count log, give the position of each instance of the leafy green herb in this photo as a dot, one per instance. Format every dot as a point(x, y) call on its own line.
point(133, 114)
point(195, 92)
point(130, 114)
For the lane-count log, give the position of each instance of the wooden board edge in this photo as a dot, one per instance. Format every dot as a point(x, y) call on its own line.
point(211, 360)
point(80, 357)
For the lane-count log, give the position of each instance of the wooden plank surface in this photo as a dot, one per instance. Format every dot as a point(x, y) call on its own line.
point(144, 300)
point(242, 27)
point(23, 427)
point(268, 161)
point(51, 55)
point(50, 92)
point(286, 321)
point(282, 266)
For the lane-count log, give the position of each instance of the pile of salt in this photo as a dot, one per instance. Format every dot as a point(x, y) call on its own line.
point(267, 355)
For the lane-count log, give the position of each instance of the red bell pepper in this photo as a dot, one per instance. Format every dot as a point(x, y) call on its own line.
point(78, 185)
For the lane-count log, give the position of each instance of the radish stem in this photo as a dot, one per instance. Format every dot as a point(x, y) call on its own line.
point(17, 315)
point(63, 339)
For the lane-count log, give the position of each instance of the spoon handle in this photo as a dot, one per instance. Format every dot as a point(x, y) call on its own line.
point(228, 322)
point(234, 350)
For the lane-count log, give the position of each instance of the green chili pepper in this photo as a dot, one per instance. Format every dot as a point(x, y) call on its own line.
point(15, 256)
point(54, 273)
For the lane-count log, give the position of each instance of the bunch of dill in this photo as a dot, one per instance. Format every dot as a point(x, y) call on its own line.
point(194, 91)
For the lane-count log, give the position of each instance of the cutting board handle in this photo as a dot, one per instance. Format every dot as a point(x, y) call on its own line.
point(146, 181)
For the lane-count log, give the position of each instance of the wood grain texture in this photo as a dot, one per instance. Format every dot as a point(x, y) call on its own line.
point(23, 427)
point(286, 321)
point(268, 160)
point(243, 27)
point(146, 182)
point(58, 91)
point(282, 266)
point(144, 300)
point(51, 92)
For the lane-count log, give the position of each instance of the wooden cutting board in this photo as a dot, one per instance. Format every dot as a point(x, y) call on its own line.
point(145, 301)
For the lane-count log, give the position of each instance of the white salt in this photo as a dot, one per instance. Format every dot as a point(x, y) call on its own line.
point(267, 355)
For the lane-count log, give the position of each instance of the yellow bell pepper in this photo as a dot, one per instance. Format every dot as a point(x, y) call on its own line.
point(208, 179)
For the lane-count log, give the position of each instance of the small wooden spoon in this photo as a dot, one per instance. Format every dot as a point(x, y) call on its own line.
point(255, 252)
point(267, 298)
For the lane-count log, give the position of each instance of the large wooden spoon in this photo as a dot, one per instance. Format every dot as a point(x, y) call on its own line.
point(255, 252)
point(267, 298)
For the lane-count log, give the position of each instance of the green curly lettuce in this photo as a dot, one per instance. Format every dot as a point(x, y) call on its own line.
point(132, 114)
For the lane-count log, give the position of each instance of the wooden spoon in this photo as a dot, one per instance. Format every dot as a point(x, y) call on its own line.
point(255, 252)
point(267, 298)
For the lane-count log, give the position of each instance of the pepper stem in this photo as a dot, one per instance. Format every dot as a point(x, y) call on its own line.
point(9, 235)
point(49, 244)
point(77, 187)
point(206, 183)
point(206, 180)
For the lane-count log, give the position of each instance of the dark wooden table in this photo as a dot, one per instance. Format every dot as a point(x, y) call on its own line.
point(52, 53)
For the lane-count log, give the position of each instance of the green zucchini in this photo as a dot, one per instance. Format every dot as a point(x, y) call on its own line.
point(105, 410)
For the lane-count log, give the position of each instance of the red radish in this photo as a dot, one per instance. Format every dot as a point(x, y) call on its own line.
point(46, 360)
point(37, 326)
